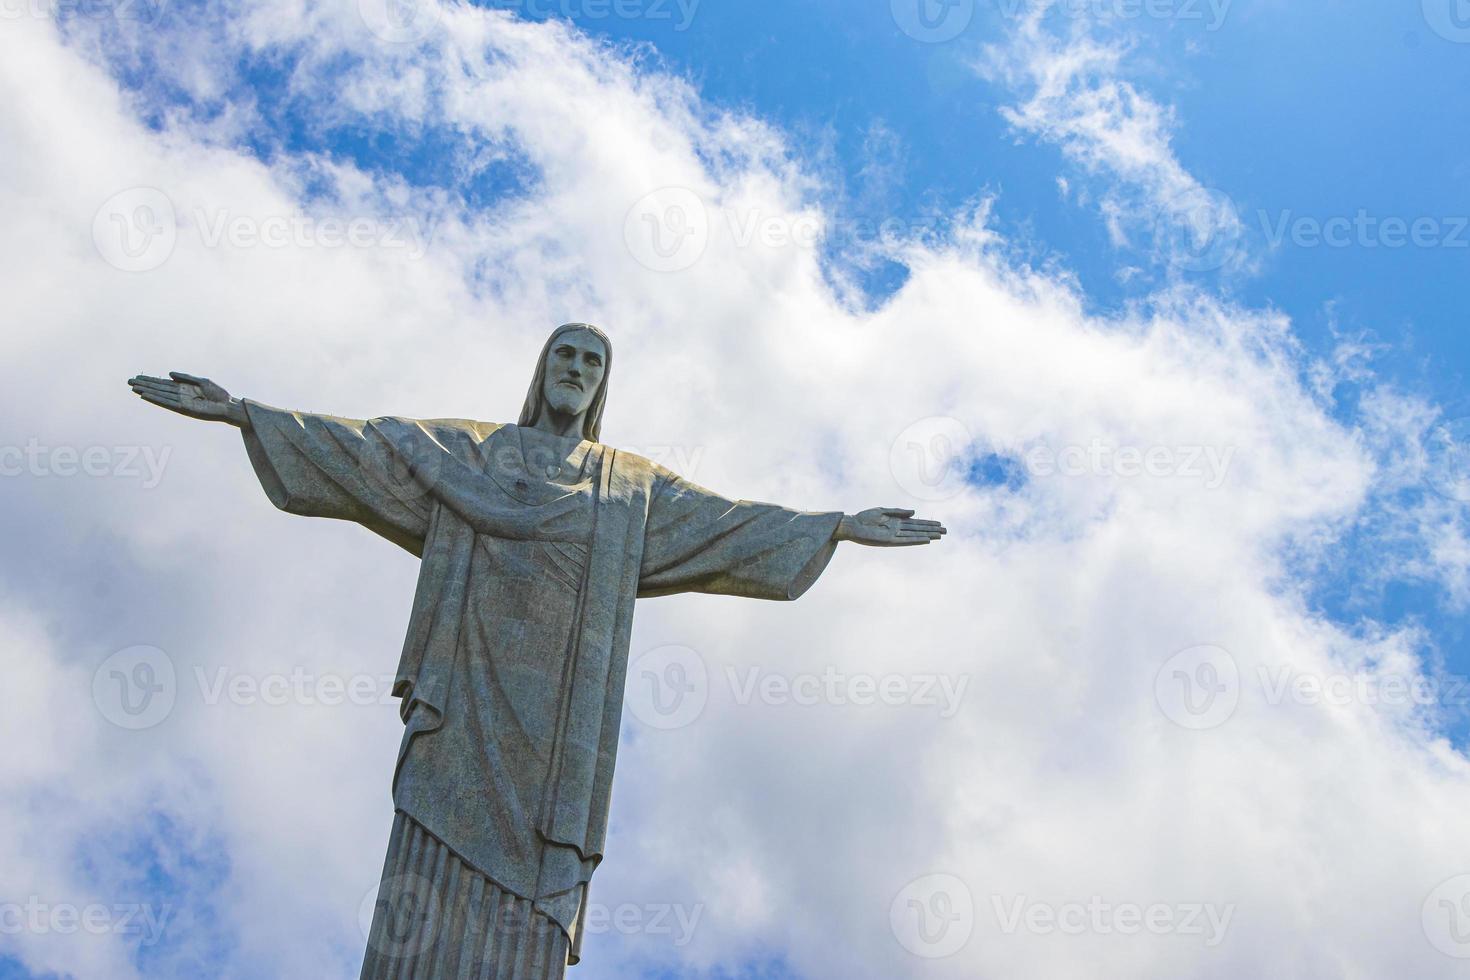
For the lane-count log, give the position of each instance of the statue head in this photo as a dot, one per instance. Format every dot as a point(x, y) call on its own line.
point(571, 377)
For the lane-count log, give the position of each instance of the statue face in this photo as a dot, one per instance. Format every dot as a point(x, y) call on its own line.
point(574, 369)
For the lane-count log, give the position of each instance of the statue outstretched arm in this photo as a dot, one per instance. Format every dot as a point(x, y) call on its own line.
point(313, 465)
point(198, 398)
point(699, 541)
point(887, 527)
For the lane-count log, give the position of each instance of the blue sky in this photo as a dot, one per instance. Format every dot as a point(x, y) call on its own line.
point(1333, 547)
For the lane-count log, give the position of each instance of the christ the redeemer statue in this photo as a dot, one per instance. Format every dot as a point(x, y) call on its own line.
point(534, 541)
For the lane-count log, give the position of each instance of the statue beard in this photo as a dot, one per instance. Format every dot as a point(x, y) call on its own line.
point(567, 401)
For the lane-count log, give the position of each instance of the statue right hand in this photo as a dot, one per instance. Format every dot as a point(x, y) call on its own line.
point(198, 398)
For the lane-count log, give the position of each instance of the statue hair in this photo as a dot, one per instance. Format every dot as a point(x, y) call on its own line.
point(536, 397)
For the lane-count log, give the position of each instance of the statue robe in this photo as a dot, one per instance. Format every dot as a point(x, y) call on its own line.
point(512, 673)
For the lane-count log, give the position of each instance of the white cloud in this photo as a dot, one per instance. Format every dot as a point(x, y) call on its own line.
point(1324, 827)
point(1073, 91)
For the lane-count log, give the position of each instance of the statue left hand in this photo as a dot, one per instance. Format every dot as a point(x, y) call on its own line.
point(888, 527)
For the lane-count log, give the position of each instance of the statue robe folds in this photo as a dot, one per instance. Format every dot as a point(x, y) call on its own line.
point(512, 673)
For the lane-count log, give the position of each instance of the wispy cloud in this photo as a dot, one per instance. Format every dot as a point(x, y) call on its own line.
point(1069, 75)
